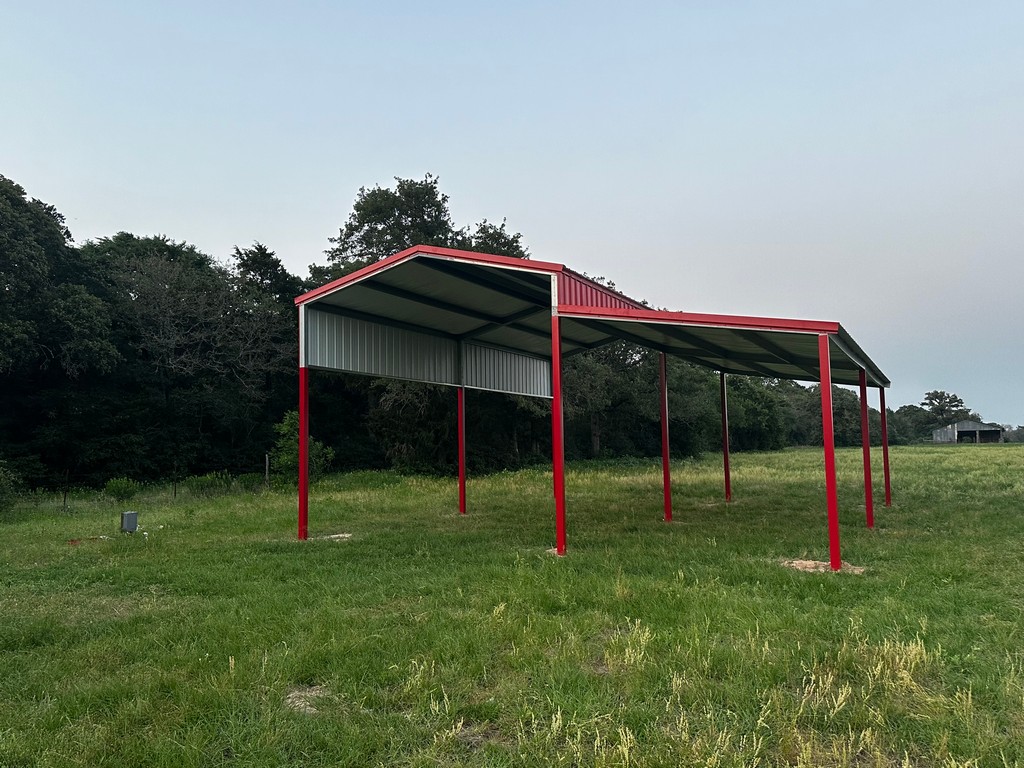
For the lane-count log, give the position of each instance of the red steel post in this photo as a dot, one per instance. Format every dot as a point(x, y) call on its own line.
point(666, 472)
point(303, 453)
point(557, 435)
point(724, 397)
point(885, 447)
point(828, 438)
point(462, 450)
point(865, 434)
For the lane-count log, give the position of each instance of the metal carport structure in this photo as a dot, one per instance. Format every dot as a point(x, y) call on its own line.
point(478, 321)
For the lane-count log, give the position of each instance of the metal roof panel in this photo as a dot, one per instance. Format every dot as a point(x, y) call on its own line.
point(507, 303)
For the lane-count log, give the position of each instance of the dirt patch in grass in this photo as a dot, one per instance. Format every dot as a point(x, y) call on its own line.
point(303, 698)
point(819, 566)
point(476, 736)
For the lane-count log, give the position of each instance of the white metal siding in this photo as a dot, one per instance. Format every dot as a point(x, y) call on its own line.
point(500, 370)
point(342, 343)
point(346, 344)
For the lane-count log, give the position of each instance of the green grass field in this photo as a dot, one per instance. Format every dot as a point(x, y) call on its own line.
point(429, 639)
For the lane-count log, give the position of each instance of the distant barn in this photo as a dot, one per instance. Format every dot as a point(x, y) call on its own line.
point(968, 432)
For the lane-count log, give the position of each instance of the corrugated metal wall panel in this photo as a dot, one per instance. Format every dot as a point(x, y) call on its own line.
point(346, 344)
point(342, 343)
point(499, 370)
point(574, 290)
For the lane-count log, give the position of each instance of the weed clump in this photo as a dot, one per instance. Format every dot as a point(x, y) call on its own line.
point(284, 458)
point(250, 482)
point(121, 489)
point(210, 484)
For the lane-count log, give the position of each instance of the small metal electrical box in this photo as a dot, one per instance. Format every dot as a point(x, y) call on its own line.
point(129, 522)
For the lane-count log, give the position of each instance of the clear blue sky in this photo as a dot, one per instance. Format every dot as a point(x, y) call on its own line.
point(852, 161)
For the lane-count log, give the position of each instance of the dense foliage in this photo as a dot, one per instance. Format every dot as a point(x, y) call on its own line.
point(143, 358)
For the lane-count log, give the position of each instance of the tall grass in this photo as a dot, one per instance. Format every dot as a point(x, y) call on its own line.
point(213, 637)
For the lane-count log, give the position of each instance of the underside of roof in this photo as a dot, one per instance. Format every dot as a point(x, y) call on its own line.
point(457, 317)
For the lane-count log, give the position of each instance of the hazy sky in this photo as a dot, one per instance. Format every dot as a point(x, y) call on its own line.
point(852, 161)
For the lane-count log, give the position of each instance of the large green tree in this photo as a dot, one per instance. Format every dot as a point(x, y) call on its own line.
point(56, 337)
point(386, 220)
point(49, 313)
point(258, 269)
point(407, 424)
point(946, 407)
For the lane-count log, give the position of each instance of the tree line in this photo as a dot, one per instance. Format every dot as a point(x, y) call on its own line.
point(142, 357)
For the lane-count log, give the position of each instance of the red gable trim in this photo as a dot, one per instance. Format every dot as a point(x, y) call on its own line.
point(429, 250)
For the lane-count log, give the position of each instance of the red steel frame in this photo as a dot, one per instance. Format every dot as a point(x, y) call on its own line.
point(558, 272)
point(557, 435)
point(666, 471)
point(303, 452)
point(828, 438)
point(865, 434)
point(885, 447)
point(724, 397)
point(462, 450)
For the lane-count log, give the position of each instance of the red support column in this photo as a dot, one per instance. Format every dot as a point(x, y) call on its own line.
point(724, 397)
point(303, 453)
point(885, 447)
point(666, 472)
point(865, 435)
point(462, 450)
point(557, 435)
point(828, 438)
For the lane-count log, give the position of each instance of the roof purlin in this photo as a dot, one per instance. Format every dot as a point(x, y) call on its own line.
point(714, 349)
point(776, 351)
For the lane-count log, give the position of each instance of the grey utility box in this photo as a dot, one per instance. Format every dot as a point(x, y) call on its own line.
point(129, 522)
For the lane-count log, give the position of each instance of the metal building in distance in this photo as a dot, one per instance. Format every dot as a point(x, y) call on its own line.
point(968, 431)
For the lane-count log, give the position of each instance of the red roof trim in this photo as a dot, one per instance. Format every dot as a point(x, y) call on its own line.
point(429, 250)
point(490, 258)
point(697, 318)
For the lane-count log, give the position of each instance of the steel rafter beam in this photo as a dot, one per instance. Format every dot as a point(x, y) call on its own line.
point(509, 321)
point(540, 296)
point(694, 356)
point(369, 317)
point(714, 349)
point(778, 352)
point(617, 333)
point(429, 301)
point(495, 321)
